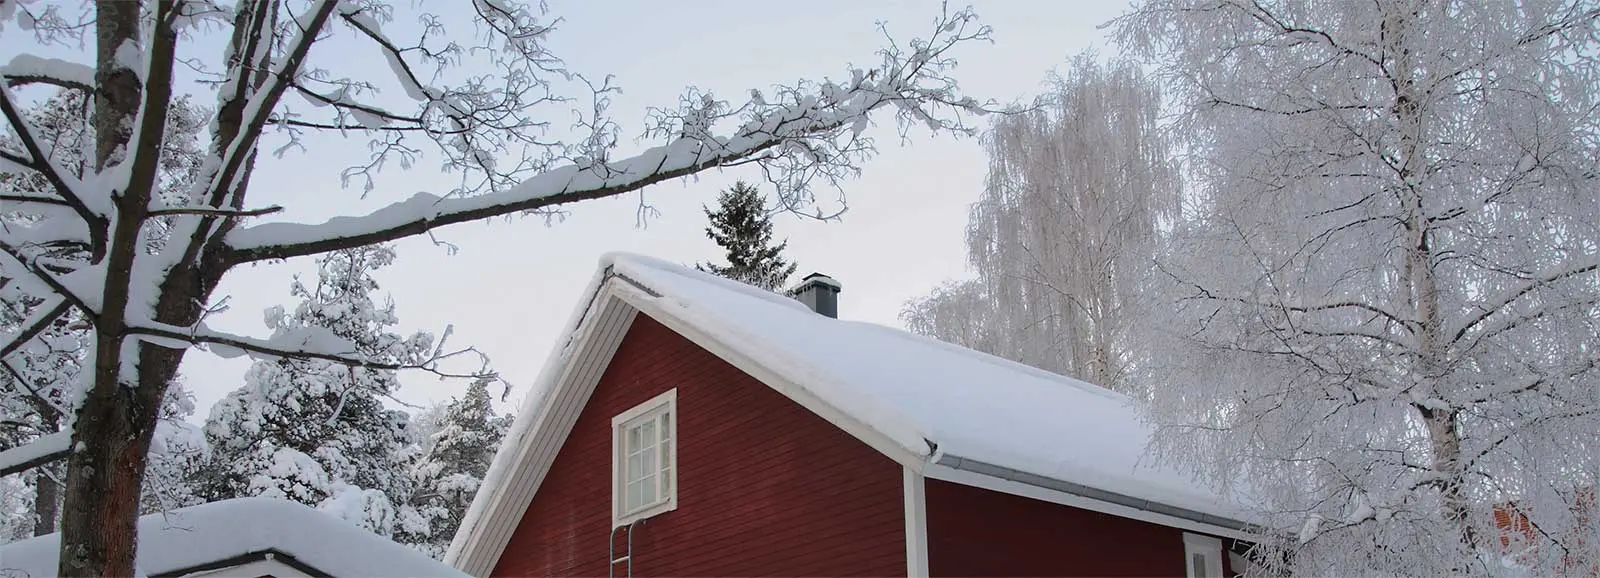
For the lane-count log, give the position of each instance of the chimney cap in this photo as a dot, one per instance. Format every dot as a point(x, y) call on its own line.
point(820, 279)
point(820, 293)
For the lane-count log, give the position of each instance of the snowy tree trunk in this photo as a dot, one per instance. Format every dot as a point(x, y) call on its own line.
point(117, 419)
point(1443, 434)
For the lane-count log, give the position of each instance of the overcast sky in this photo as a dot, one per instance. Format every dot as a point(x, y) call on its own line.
point(512, 283)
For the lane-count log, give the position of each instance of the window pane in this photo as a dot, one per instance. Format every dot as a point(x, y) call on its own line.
point(647, 489)
point(1199, 563)
point(666, 426)
point(666, 454)
point(647, 433)
point(633, 439)
point(634, 497)
point(633, 468)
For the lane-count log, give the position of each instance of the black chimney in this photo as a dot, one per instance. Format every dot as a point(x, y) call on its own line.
point(820, 293)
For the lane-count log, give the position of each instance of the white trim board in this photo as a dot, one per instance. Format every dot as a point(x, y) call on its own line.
point(497, 511)
point(916, 514)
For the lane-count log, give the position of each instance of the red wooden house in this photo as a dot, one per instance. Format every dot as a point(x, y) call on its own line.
point(693, 426)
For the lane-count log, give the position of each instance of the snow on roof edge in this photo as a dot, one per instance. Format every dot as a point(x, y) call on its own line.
point(494, 480)
point(207, 533)
point(614, 258)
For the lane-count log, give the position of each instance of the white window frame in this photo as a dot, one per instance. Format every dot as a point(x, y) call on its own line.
point(1209, 549)
point(664, 409)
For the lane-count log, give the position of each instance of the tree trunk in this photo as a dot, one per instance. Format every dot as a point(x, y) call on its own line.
point(98, 528)
point(99, 531)
point(1444, 438)
point(46, 498)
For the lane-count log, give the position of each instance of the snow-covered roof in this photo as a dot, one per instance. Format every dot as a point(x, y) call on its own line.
point(934, 406)
point(918, 391)
point(198, 536)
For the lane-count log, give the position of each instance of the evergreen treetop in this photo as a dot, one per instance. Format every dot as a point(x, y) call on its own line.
point(743, 228)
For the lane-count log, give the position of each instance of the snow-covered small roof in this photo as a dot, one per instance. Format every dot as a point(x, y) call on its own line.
point(198, 536)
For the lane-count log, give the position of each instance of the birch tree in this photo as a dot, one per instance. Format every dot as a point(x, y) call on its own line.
point(480, 95)
point(1389, 289)
point(1065, 228)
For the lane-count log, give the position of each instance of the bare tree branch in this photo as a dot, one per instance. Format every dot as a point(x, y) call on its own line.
point(63, 183)
point(32, 327)
point(36, 453)
point(1485, 312)
point(27, 79)
point(263, 347)
point(215, 212)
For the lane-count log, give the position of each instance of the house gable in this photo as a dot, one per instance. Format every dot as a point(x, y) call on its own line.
point(764, 484)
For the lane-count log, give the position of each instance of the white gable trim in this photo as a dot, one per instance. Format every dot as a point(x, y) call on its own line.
point(916, 515)
point(977, 480)
point(497, 510)
point(268, 566)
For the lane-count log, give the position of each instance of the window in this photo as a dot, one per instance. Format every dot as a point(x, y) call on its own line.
point(1203, 556)
point(644, 460)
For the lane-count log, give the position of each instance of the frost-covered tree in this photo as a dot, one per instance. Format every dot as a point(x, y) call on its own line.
point(178, 452)
point(958, 312)
point(458, 452)
point(1389, 323)
point(742, 227)
point(1064, 232)
point(473, 87)
point(316, 431)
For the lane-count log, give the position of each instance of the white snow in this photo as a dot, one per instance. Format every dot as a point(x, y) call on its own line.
point(912, 389)
point(187, 537)
point(31, 65)
point(54, 443)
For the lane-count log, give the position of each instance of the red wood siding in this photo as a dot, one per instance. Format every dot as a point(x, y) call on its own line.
point(767, 488)
point(978, 532)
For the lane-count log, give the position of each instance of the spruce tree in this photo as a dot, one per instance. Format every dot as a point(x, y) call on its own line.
point(742, 227)
point(459, 452)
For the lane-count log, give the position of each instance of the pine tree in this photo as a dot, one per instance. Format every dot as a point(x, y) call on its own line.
point(459, 452)
point(315, 431)
point(742, 227)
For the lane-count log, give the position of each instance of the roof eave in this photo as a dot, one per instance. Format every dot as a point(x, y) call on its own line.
point(976, 473)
